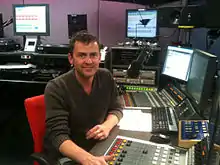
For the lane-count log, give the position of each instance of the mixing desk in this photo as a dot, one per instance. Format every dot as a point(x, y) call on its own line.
point(130, 151)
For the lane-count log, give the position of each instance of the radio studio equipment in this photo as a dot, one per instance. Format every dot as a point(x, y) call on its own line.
point(52, 49)
point(199, 87)
point(36, 17)
point(191, 16)
point(76, 23)
point(130, 151)
point(7, 45)
point(191, 132)
point(32, 66)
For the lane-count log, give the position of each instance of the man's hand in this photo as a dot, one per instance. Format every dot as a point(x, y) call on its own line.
point(95, 160)
point(99, 132)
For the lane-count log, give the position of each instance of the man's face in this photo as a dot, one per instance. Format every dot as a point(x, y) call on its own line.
point(86, 58)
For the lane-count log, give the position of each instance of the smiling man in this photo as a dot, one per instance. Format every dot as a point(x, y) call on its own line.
point(82, 105)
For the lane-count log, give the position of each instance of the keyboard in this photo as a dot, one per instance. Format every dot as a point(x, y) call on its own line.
point(164, 120)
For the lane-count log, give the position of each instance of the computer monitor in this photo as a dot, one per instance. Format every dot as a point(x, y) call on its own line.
point(201, 78)
point(141, 23)
point(31, 19)
point(177, 62)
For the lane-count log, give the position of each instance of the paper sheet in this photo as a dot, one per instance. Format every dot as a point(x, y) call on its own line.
point(136, 120)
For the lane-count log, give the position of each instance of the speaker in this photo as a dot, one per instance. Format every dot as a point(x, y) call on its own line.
point(169, 17)
point(212, 14)
point(193, 16)
point(1, 26)
point(76, 23)
point(173, 17)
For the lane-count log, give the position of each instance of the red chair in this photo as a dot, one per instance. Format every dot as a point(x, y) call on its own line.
point(35, 111)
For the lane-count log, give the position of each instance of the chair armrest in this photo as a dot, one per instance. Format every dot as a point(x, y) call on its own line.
point(40, 158)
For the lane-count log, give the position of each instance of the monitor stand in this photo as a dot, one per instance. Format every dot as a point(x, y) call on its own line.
point(31, 43)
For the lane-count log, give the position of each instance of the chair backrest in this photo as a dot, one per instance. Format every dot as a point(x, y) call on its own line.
point(36, 114)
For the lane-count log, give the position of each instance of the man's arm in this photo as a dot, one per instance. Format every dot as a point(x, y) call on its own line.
point(57, 130)
point(113, 117)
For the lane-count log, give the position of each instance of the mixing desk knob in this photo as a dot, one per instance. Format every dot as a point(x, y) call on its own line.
point(124, 151)
point(117, 163)
point(122, 155)
point(120, 159)
point(145, 151)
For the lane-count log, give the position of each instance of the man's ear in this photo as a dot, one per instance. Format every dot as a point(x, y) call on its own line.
point(70, 58)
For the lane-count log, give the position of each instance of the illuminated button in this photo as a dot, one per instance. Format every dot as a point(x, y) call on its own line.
point(111, 163)
point(155, 158)
point(122, 144)
point(177, 154)
point(124, 140)
point(110, 153)
point(203, 153)
point(114, 158)
point(176, 162)
point(121, 147)
point(118, 151)
point(116, 155)
point(156, 154)
point(157, 150)
point(154, 162)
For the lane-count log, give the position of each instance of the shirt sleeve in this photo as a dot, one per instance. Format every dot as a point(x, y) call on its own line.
point(116, 104)
point(57, 130)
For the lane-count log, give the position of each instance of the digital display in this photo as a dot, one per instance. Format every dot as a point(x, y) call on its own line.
point(141, 23)
point(177, 62)
point(31, 19)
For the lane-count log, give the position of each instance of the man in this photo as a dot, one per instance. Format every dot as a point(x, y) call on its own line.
point(82, 105)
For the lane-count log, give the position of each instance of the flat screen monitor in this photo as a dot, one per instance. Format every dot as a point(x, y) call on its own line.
point(177, 62)
point(141, 23)
point(201, 78)
point(31, 19)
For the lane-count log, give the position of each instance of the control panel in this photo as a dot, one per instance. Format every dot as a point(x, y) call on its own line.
point(130, 151)
point(141, 97)
point(146, 77)
point(172, 94)
point(185, 111)
point(191, 132)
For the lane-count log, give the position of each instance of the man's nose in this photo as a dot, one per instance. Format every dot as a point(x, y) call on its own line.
point(88, 60)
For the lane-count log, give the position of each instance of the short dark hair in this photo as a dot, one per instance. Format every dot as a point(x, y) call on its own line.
point(81, 36)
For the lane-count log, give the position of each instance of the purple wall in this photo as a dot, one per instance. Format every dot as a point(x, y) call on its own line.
point(58, 17)
point(112, 21)
point(108, 32)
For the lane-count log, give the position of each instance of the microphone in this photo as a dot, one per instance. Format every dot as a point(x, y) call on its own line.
point(134, 68)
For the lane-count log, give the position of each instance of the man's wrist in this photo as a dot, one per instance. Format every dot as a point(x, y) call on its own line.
point(84, 157)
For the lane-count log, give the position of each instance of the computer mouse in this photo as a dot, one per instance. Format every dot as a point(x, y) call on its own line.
point(160, 138)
